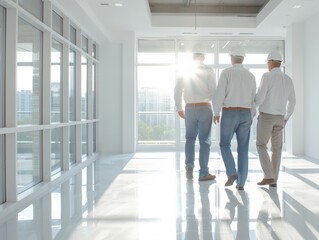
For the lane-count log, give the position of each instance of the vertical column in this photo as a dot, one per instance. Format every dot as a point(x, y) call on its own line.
point(65, 95)
point(10, 119)
point(129, 95)
point(90, 100)
point(46, 95)
point(294, 51)
point(78, 117)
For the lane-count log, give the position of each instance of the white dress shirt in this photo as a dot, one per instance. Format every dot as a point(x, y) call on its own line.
point(197, 87)
point(276, 94)
point(236, 88)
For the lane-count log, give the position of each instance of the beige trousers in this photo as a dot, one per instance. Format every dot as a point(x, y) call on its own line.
point(270, 127)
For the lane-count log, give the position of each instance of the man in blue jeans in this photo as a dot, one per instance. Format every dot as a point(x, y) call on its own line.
point(197, 88)
point(234, 96)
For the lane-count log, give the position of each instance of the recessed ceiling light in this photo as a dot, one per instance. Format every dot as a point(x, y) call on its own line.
point(118, 4)
point(296, 6)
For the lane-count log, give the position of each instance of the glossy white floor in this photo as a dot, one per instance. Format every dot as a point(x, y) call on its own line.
point(146, 197)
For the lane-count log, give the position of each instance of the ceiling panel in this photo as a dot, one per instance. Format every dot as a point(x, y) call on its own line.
point(208, 7)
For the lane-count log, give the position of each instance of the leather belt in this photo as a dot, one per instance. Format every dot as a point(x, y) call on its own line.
point(198, 104)
point(235, 108)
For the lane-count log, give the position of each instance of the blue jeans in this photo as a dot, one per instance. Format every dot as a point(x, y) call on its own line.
point(198, 121)
point(239, 122)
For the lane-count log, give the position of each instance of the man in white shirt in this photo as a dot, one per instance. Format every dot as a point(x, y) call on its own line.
point(276, 100)
point(234, 96)
point(197, 88)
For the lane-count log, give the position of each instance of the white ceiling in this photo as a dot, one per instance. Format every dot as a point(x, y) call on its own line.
point(136, 16)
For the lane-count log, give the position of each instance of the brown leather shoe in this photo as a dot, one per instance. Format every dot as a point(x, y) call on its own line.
point(273, 185)
point(208, 177)
point(266, 181)
point(240, 188)
point(231, 180)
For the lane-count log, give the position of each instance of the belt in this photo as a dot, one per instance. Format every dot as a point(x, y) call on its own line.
point(198, 104)
point(235, 108)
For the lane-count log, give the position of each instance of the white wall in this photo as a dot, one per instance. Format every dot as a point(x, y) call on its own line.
point(311, 87)
point(117, 101)
point(110, 98)
point(294, 59)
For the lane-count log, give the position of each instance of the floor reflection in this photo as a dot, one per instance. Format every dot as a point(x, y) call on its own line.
point(146, 196)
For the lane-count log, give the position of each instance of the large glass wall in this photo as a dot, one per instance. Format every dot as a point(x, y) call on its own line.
point(159, 62)
point(40, 134)
point(2, 51)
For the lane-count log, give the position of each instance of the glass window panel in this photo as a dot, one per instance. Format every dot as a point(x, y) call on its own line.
point(94, 137)
point(156, 107)
point(72, 85)
point(29, 74)
point(84, 85)
point(57, 23)
point(161, 51)
point(84, 140)
point(56, 150)
point(85, 44)
point(72, 34)
point(72, 153)
point(56, 81)
point(29, 159)
point(33, 6)
point(94, 51)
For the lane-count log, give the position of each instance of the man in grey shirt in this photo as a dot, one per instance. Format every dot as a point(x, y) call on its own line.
point(276, 101)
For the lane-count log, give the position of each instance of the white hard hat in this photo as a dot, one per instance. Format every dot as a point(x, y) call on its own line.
point(274, 55)
point(237, 51)
point(199, 49)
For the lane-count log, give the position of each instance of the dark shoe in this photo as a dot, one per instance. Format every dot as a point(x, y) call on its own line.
point(207, 177)
point(266, 181)
point(189, 172)
point(273, 185)
point(240, 188)
point(231, 180)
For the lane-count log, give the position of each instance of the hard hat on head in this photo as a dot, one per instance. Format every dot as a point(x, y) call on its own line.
point(199, 49)
point(274, 55)
point(237, 51)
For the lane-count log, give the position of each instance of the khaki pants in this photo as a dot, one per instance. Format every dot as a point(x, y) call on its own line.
point(270, 127)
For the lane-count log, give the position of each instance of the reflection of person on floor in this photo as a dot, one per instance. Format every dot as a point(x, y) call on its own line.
point(269, 221)
point(206, 225)
point(242, 203)
point(202, 228)
point(191, 232)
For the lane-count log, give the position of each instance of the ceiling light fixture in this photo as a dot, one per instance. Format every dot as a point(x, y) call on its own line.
point(118, 4)
point(296, 6)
